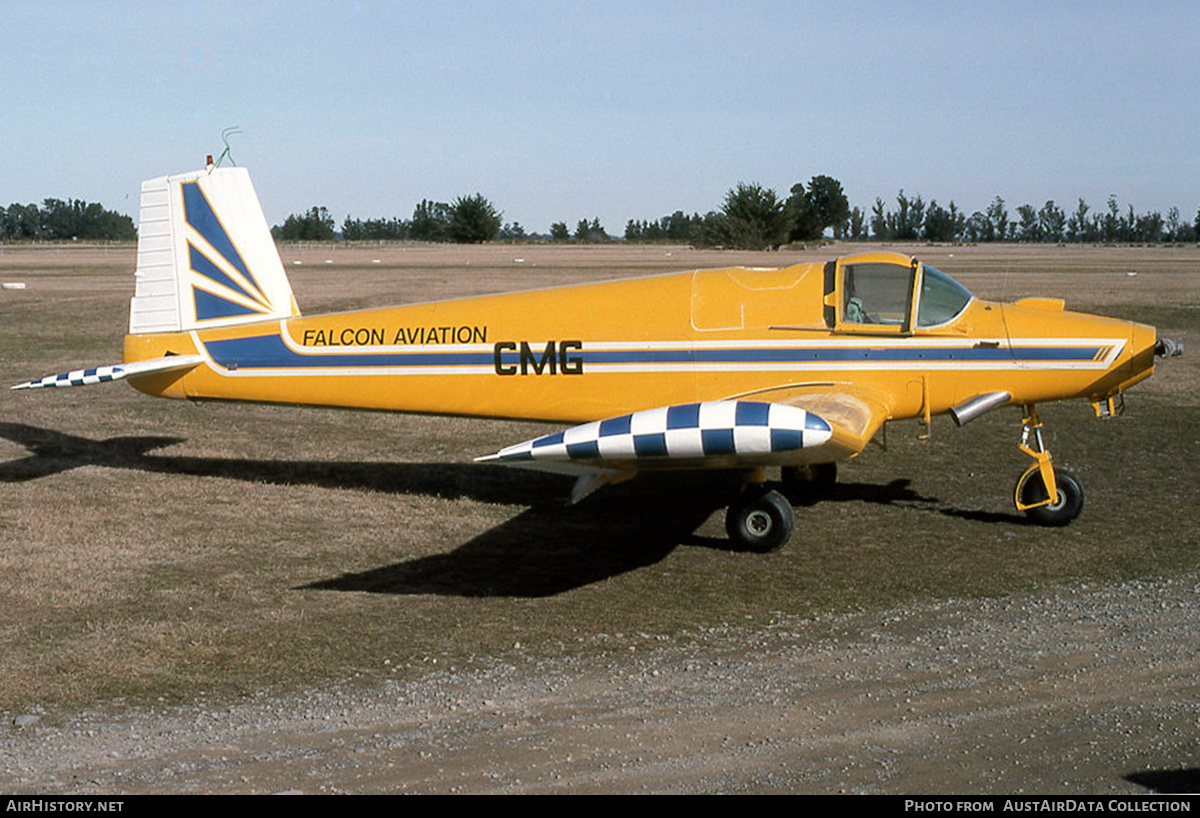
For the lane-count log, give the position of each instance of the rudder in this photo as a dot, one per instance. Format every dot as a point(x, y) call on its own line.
point(205, 255)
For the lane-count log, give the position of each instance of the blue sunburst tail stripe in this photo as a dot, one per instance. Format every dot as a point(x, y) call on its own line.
point(210, 306)
point(199, 214)
point(201, 265)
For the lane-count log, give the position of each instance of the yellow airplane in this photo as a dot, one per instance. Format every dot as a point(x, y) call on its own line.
point(739, 369)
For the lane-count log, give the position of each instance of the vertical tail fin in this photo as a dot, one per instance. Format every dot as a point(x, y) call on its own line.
point(205, 255)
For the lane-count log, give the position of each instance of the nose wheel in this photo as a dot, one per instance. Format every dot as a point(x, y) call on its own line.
point(1031, 492)
point(1048, 495)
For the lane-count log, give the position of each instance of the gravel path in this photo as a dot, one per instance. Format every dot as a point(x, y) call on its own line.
point(1088, 690)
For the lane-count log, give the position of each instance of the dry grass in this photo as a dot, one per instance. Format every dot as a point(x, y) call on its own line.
point(158, 550)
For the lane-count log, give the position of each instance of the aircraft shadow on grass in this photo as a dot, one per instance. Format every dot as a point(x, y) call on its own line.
point(551, 548)
point(1183, 780)
point(548, 548)
point(52, 452)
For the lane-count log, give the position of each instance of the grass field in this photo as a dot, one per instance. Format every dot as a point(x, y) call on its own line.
point(161, 551)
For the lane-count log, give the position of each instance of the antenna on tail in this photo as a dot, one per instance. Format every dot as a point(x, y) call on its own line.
point(225, 134)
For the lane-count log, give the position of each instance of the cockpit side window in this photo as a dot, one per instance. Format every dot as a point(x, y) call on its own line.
point(876, 294)
point(942, 298)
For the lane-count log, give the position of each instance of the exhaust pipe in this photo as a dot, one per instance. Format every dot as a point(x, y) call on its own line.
point(968, 410)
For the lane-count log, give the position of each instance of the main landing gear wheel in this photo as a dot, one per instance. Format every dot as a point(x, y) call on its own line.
point(1065, 508)
point(760, 521)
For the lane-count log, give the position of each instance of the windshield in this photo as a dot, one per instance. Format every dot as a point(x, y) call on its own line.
point(942, 298)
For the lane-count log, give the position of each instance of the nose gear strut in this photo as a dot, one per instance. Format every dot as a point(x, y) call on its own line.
point(1048, 495)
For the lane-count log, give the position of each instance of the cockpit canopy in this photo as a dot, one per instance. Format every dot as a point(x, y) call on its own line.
point(889, 293)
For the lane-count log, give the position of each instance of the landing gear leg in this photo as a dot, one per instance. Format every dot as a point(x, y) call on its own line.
point(1047, 494)
point(818, 479)
point(761, 519)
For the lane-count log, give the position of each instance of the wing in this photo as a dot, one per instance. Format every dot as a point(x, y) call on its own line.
point(115, 372)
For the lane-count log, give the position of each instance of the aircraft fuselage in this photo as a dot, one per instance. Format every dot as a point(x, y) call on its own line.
point(595, 350)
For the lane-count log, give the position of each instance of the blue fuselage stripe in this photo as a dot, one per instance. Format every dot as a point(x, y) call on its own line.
point(270, 352)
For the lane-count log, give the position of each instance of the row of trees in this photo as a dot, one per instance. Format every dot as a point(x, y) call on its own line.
point(591, 232)
point(754, 217)
point(751, 217)
point(466, 220)
point(59, 220)
point(912, 219)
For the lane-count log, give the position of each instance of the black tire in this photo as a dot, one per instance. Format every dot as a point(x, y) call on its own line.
point(760, 521)
point(1065, 509)
point(818, 479)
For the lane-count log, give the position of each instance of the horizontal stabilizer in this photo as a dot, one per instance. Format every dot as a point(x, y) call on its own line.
point(115, 372)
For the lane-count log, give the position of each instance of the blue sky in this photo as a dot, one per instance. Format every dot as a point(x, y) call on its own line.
point(617, 110)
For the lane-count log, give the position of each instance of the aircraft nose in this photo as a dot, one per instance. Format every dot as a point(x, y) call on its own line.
point(1143, 341)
